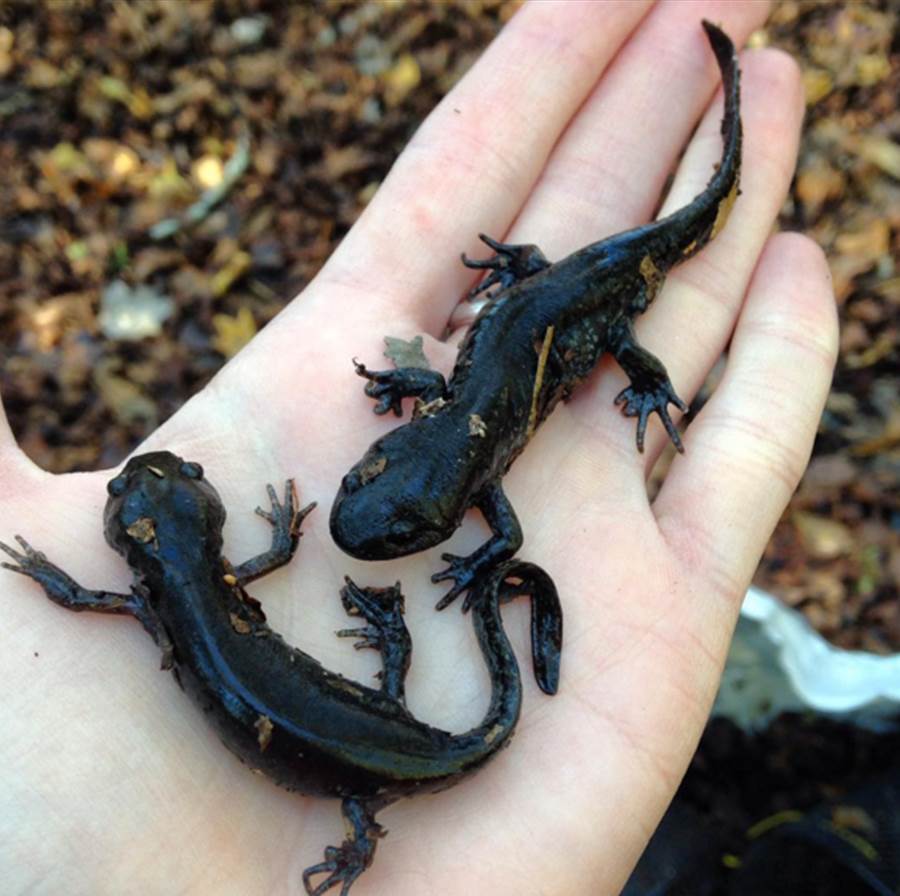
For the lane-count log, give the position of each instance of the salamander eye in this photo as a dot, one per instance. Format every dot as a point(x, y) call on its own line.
point(191, 470)
point(117, 486)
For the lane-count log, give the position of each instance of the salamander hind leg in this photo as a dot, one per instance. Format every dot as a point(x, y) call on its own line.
point(382, 608)
point(346, 862)
point(651, 390)
point(510, 264)
point(60, 587)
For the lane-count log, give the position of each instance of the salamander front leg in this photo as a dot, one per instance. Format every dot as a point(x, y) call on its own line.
point(506, 540)
point(382, 608)
point(390, 387)
point(62, 589)
point(346, 862)
point(286, 521)
point(651, 390)
point(511, 264)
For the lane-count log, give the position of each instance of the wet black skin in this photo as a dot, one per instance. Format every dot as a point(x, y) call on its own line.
point(412, 488)
point(274, 706)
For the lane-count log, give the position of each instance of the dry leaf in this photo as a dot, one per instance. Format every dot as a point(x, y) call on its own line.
point(233, 333)
point(234, 269)
point(823, 538)
point(401, 78)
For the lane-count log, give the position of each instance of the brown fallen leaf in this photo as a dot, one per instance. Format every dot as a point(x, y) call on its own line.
point(122, 397)
point(233, 332)
point(401, 78)
point(828, 472)
point(881, 152)
point(817, 183)
point(823, 538)
point(884, 344)
point(817, 84)
point(886, 440)
point(233, 270)
point(871, 242)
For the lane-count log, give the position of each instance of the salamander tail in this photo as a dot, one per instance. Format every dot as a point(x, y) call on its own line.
point(682, 234)
point(521, 578)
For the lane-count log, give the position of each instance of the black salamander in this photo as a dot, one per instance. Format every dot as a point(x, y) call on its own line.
point(540, 335)
point(275, 707)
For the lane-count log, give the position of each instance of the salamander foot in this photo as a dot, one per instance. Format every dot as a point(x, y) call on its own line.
point(464, 571)
point(285, 520)
point(641, 403)
point(382, 608)
point(511, 264)
point(346, 862)
point(390, 387)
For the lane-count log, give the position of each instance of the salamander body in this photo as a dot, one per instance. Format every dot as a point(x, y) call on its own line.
point(278, 709)
point(538, 337)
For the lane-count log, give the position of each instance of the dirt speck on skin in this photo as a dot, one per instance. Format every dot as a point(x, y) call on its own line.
point(264, 729)
point(241, 626)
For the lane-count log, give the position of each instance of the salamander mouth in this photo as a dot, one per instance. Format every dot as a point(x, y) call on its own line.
point(407, 538)
point(384, 547)
point(369, 536)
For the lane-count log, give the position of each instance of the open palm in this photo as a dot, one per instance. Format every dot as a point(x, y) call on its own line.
point(562, 133)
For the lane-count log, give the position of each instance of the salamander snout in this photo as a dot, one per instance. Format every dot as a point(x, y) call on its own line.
point(376, 524)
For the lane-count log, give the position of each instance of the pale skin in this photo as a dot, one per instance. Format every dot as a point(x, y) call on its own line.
point(563, 132)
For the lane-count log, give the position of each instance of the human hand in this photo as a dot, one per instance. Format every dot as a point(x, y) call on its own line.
point(115, 784)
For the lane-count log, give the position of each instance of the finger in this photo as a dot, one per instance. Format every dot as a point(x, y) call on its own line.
point(481, 149)
point(692, 319)
point(749, 445)
point(611, 164)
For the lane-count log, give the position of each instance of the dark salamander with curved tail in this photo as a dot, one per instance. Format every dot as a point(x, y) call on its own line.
point(539, 336)
point(278, 709)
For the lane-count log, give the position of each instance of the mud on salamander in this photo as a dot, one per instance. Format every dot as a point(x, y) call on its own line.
point(540, 335)
point(275, 707)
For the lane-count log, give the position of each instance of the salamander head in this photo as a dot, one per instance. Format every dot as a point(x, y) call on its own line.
point(160, 503)
point(393, 503)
